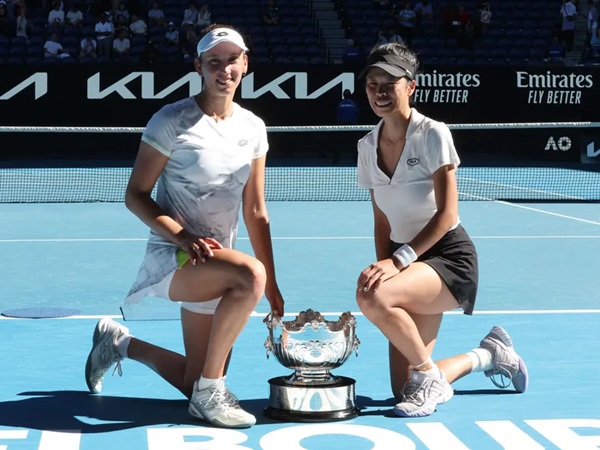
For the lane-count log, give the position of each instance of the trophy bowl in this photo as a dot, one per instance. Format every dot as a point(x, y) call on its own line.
point(311, 346)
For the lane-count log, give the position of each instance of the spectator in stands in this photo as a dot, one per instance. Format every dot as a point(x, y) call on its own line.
point(382, 5)
point(450, 22)
point(407, 20)
point(190, 15)
point(23, 25)
point(105, 33)
point(18, 6)
point(87, 49)
point(6, 26)
point(74, 17)
point(98, 7)
point(156, 16)
point(138, 27)
point(54, 49)
point(123, 12)
point(122, 46)
point(482, 18)
point(556, 52)
point(271, 14)
point(568, 13)
point(204, 17)
point(381, 39)
point(595, 44)
point(393, 36)
point(151, 53)
point(465, 30)
point(593, 14)
point(248, 41)
point(347, 111)
point(172, 35)
point(56, 17)
point(352, 54)
point(120, 23)
point(189, 44)
point(424, 12)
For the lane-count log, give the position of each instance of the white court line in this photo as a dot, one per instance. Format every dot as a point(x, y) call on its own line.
point(550, 213)
point(555, 196)
point(298, 238)
point(338, 313)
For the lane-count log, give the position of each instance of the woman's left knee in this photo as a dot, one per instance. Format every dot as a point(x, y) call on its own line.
point(253, 277)
point(371, 303)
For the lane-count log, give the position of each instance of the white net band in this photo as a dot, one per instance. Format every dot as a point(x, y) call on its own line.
point(300, 129)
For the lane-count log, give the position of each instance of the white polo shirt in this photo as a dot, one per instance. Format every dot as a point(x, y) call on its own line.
point(102, 27)
point(407, 198)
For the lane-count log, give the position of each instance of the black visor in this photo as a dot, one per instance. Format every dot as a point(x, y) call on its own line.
point(392, 64)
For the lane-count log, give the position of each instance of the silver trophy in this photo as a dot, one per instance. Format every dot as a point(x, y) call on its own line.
point(312, 347)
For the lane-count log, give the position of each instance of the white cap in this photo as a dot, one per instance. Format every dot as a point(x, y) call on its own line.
point(219, 35)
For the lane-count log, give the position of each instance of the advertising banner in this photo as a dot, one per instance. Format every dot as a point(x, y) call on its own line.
point(127, 96)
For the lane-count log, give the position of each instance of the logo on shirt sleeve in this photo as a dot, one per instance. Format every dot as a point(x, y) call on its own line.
point(412, 161)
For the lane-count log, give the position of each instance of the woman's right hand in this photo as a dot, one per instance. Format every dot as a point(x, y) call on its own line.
point(199, 248)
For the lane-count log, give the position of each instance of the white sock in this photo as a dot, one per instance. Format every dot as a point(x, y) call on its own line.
point(427, 362)
point(203, 383)
point(481, 359)
point(434, 373)
point(123, 344)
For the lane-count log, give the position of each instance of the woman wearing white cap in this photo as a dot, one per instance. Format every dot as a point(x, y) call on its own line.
point(426, 262)
point(208, 156)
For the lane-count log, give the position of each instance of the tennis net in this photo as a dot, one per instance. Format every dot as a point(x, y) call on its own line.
point(484, 176)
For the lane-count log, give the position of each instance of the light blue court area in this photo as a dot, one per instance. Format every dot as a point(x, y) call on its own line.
point(539, 279)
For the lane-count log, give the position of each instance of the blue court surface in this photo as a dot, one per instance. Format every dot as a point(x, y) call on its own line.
point(539, 279)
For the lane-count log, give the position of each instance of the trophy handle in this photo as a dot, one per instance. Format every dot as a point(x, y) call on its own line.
point(269, 346)
point(355, 345)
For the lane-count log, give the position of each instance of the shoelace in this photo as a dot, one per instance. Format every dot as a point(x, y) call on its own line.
point(223, 397)
point(415, 393)
point(118, 368)
point(117, 359)
point(505, 370)
point(505, 374)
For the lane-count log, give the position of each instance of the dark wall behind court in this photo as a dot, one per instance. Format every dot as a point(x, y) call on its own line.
point(127, 96)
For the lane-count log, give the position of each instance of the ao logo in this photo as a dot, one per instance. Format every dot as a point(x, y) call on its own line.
point(563, 144)
point(591, 150)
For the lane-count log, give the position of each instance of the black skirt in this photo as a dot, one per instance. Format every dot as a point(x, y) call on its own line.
point(454, 258)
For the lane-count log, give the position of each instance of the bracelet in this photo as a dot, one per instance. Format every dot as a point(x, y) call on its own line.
point(406, 255)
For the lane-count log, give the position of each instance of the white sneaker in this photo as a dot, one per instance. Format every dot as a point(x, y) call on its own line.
point(448, 392)
point(217, 405)
point(104, 353)
point(422, 394)
point(506, 362)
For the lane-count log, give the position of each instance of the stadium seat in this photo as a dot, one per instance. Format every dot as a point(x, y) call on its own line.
point(15, 60)
point(294, 39)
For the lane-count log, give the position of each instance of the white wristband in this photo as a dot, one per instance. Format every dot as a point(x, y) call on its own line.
point(406, 255)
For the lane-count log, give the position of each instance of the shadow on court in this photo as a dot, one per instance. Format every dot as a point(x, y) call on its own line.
point(78, 410)
point(486, 392)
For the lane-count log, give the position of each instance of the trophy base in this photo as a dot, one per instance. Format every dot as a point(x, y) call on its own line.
point(312, 403)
